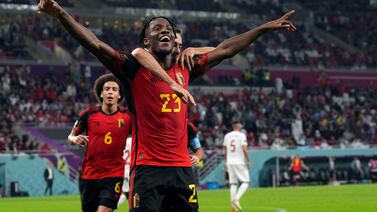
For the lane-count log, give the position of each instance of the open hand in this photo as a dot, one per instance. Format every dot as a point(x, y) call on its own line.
point(281, 23)
point(183, 93)
point(186, 57)
point(50, 7)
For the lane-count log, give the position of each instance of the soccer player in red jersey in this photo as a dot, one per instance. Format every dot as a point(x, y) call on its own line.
point(103, 130)
point(160, 162)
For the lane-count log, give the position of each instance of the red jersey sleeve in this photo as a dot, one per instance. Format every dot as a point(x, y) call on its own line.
point(199, 67)
point(81, 124)
point(125, 66)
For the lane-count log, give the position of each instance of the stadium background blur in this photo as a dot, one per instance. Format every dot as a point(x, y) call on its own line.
point(309, 93)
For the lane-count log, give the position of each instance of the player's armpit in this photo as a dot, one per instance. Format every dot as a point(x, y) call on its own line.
point(125, 66)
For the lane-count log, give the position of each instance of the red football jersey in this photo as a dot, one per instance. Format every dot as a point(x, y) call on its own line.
point(107, 139)
point(159, 115)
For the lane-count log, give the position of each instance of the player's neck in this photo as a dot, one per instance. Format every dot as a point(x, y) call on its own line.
point(165, 61)
point(109, 109)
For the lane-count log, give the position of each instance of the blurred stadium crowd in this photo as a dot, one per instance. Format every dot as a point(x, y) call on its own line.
point(329, 115)
point(303, 48)
point(323, 117)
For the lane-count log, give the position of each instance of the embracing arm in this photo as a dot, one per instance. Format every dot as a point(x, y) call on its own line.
point(84, 36)
point(150, 63)
point(186, 57)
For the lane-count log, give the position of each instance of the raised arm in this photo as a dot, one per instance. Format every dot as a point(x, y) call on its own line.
point(151, 64)
point(84, 36)
point(230, 47)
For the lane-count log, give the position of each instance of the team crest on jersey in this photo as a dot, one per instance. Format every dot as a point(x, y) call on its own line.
point(124, 57)
point(136, 200)
point(180, 78)
point(120, 123)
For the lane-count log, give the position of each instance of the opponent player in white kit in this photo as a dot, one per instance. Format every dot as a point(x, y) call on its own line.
point(237, 163)
point(126, 181)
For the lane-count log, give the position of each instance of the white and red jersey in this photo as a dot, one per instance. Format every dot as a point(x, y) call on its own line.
point(127, 157)
point(233, 142)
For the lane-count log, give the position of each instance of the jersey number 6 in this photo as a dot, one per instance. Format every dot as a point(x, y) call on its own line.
point(108, 139)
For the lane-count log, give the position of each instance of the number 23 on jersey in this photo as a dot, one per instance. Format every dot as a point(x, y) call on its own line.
point(168, 108)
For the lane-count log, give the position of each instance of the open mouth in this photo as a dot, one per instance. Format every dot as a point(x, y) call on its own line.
point(165, 38)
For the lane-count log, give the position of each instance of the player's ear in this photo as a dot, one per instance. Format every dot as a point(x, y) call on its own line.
point(146, 42)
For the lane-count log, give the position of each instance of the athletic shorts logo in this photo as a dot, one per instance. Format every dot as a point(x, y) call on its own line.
point(136, 200)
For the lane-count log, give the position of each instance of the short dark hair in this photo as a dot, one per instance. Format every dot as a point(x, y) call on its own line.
point(178, 30)
point(146, 26)
point(98, 86)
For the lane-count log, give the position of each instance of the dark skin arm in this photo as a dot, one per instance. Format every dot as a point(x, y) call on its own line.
point(101, 50)
point(84, 36)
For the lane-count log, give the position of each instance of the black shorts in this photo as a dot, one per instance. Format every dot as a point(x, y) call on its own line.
point(104, 192)
point(154, 189)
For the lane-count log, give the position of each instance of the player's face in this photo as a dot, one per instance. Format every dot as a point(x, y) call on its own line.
point(110, 93)
point(160, 37)
point(177, 45)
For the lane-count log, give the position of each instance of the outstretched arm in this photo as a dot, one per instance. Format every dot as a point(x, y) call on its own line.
point(151, 64)
point(83, 35)
point(230, 47)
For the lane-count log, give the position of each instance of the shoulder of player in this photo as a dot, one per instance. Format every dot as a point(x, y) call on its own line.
point(90, 110)
point(124, 110)
point(124, 56)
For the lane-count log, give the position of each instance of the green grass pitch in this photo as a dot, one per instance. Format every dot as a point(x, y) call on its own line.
point(353, 198)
